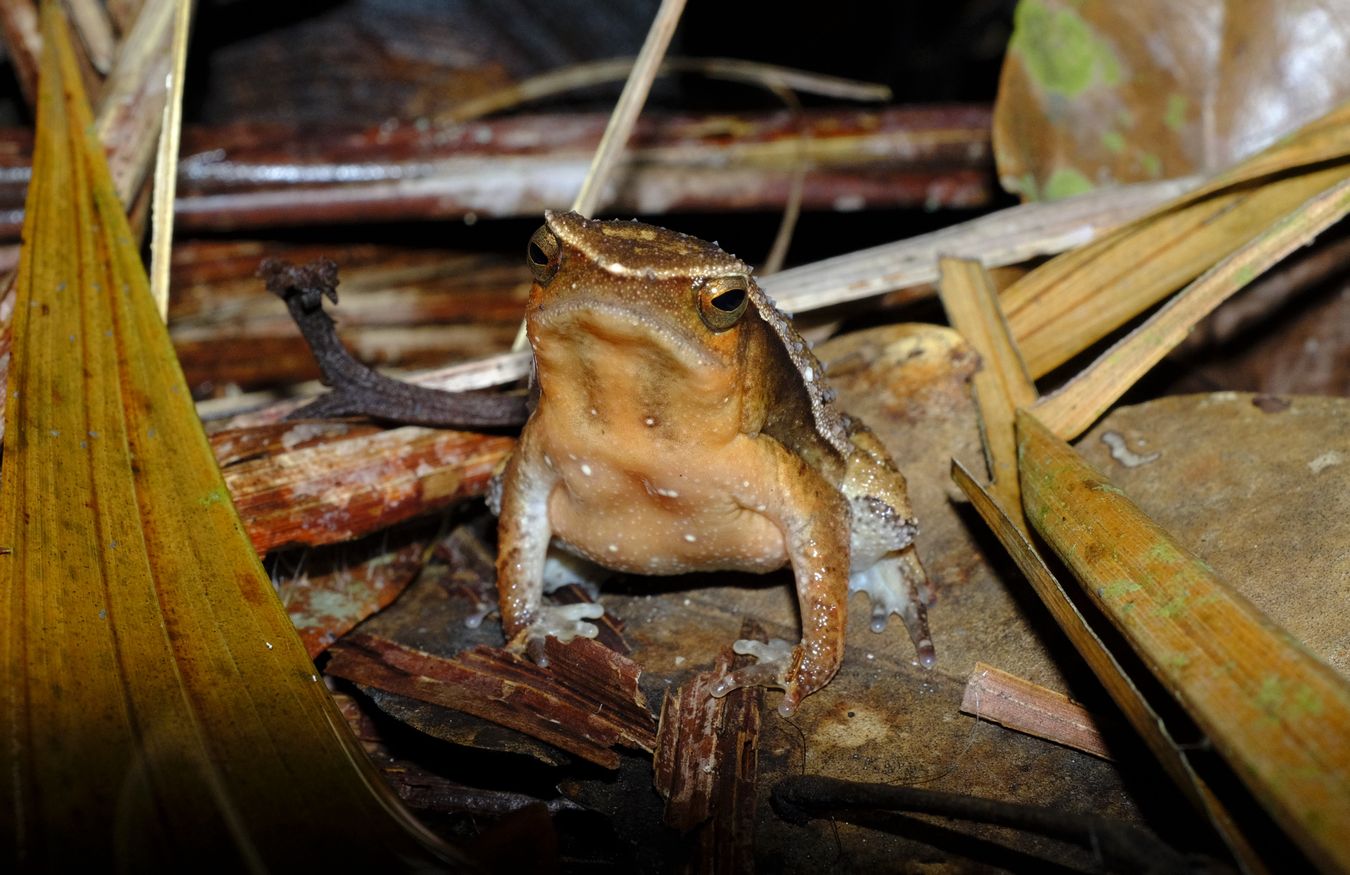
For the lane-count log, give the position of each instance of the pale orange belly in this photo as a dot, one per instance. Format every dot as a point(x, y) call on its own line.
point(644, 534)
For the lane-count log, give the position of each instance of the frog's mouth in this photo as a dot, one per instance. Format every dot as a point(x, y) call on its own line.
point(620, 326)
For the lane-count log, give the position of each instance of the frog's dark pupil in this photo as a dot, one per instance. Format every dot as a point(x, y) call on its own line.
point(537, 255)
point(729, 301)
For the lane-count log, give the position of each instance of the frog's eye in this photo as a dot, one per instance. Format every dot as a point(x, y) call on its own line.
point(722, 301)
point(544, 255)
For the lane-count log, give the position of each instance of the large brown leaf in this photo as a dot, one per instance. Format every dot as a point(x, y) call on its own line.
point(1096, 92)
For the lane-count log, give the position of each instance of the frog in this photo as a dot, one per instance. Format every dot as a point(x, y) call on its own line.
point(681, 424)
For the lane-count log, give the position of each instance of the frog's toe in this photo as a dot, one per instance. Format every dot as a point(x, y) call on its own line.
point(893, 587)
point(772, 663)
point(563, 622)
point(780, 666)
point(566, 622)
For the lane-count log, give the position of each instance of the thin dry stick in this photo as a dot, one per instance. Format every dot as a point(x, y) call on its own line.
point(773, 262)
point(630, 104)
point(1006, 237)
point(166, 166)
point(1072, 409)
point(1017, 704)
point(23, 43)
point(625, 114)
point(130, 108)
point(618, 69)
point(95, 29)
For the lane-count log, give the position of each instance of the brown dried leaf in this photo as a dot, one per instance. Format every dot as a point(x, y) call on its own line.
point(1096, 93)
point(1141, 713)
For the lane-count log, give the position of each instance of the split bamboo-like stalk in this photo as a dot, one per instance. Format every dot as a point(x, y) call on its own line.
point(1278, 716)
point(1069, 303)
point(1002, 383)
point(1141, 714)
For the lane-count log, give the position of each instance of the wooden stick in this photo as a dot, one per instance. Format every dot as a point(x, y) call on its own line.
point(23, 42)
point(92, 23)
point(133, 97)
point(1018, 704)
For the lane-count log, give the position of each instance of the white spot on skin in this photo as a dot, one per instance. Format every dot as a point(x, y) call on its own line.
point(613, 548)
point(668, 493)
point(650, 421)
point(690, 538)
point(1123, 454)
point(594, 412)
point(809, 374)
point(585, 469)
point(1328, 459)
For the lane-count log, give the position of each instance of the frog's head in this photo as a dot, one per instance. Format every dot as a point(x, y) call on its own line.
point(634, 284)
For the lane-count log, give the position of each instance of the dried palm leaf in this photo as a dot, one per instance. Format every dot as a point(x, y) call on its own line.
point(156, 704)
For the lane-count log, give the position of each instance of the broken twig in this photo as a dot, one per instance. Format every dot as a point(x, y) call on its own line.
point(356, 389)
point(1122, 846)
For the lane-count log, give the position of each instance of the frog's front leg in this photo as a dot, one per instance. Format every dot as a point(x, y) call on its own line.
point(814, 519)
point(523, 535)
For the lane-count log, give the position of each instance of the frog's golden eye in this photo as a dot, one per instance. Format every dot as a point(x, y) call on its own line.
point(544, 255)
point(722, 301)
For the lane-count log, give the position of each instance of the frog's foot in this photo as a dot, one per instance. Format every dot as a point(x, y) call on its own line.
point(780, 666)
point(562, 568)
point(896, 584)
point(563, 622)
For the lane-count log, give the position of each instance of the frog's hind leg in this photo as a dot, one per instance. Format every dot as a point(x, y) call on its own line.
point(897, 584)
